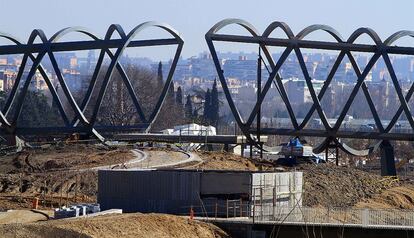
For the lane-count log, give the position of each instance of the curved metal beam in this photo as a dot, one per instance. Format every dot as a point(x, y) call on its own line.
point(297, 42)
point(313, 28)
point(47, 47)
point(79, 111)
point(231, 21)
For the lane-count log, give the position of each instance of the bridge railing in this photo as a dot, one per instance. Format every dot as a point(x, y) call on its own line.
point(348, 216)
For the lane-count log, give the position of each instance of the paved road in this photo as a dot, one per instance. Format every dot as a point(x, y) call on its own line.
point(153, 159)
point(163, 159)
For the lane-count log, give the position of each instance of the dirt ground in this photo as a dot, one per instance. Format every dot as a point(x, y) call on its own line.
point(333, 186)
point(52, 189)
point(228, 161)
point(41, 174)
point(22, 216)
point(397, 197)
point(120, 225)
point(55, 158)
point(49, 175)
point(56, 174)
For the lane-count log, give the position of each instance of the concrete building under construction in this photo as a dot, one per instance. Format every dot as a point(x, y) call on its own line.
point(219, 193)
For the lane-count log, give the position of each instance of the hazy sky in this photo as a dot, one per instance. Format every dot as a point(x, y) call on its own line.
point(193, 18)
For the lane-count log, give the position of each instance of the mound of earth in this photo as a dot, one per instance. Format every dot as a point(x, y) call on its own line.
point(57, 174)
point(228, 161)
point(397, 197)
point(334, 186)
point(77, 156)
point(22, 216)
point(120, 225)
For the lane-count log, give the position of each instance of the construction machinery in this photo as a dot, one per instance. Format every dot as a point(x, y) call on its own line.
point(297, 151)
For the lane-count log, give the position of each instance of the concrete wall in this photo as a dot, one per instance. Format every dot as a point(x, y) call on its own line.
point(148, 191)
point(225, 183)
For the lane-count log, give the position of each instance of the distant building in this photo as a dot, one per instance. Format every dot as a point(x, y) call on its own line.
point(1, 85)
point(74, 79)
point(7, 77)
point(191, 129)
point(242, 68)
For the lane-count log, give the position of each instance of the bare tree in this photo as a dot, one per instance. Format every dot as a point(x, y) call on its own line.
point(117, 106)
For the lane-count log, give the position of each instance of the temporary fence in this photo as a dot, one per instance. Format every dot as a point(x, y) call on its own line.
point(364, 217)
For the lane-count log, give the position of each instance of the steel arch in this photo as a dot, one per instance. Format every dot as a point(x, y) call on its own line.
point(294, 43)
point(48, 47)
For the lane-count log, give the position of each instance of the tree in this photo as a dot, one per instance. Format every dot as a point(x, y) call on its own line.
point(179, 96)
point(146, 86)
point(117, 106)
point(171, 93)
point(160, 80)
point(3, 98)
point(159, 74)
point(188, 108)
point(214, 105)
point(195, 114)
point(36, 112)
point(207, 107)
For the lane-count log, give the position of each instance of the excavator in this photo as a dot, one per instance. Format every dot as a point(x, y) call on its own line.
point(295, 151)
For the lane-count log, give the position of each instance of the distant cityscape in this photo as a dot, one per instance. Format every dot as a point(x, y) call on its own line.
point(195, 74)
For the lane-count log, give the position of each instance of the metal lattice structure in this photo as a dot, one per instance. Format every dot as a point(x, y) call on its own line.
point(295, 43)
point(36, 52)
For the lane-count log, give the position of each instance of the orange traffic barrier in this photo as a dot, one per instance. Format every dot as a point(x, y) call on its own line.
point(191, 213)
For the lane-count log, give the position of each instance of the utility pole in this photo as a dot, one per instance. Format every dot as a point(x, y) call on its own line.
point(259, 91)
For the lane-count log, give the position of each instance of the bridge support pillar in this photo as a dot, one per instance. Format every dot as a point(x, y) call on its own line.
point(226, 147)
point(13, 142)
point(261, 150)
point(10, 140)
point(84, 137)
point(387, 159)
point(332, 153)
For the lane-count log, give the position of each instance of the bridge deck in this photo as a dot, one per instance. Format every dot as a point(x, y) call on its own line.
point(214, 139)
point(340, 134)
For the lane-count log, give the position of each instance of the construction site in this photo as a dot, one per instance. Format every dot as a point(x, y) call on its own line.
point(166, 192)
point(125, 157)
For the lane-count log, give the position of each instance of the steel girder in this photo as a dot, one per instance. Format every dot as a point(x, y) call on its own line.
point(294, 43)
point(80, 123)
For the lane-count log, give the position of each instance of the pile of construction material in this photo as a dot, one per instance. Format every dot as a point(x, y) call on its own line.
point(76, 210)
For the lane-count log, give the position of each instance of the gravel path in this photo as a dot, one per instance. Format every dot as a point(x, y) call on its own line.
point(139, 157)
point(163, 159)
point(149, 159)
point(152, 159)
